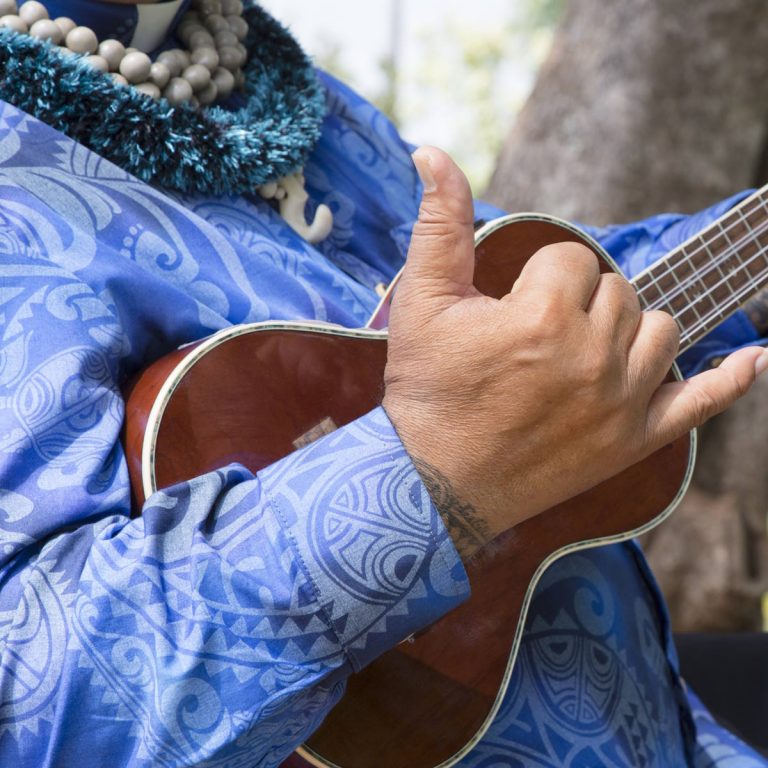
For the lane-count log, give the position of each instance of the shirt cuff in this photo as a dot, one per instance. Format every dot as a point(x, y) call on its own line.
point(367, 536)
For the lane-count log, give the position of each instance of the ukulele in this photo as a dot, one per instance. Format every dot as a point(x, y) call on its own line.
point(255, 393)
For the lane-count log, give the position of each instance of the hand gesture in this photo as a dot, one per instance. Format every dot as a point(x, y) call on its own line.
point(510, 406)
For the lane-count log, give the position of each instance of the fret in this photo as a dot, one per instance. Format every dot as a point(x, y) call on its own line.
point(713, 273)
point(751, 247)
point(716, 280)
point(648, 290)
point(645, 283)
point(699, 286)
point(736, 278)
point(764, 211)
point(696, 332)
point(753, 286)
point(752, 253)
point(675, 298)
point(727, 270)
point(685, 294)
point(725, 287)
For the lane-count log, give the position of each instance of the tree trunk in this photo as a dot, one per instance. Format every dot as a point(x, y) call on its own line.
point(654, 105)
point(641, 106)
point(711, 556)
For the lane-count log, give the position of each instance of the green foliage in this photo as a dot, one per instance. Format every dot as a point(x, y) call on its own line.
point(544, 13)
point(469, 80)
point(482, 73)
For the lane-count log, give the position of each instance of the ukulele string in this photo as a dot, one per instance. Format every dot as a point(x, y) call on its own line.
point(713, 264)
point(722, 313)
point(710, 266)
point(704, 246)
point(724, 279)
point(754, 281)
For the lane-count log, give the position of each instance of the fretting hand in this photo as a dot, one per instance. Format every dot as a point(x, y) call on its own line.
point(511, 406)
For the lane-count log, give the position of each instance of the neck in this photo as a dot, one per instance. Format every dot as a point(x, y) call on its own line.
point(712, 274)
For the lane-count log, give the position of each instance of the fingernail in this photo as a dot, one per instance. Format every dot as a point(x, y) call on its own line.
point(424, 169)
point(761, 364)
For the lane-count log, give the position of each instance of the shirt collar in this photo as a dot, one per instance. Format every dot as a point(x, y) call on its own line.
point(143, 26)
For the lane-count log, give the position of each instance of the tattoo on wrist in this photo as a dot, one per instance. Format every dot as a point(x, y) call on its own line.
point(464, 524)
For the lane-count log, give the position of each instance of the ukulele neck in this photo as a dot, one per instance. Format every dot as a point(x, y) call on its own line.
point(712, 274)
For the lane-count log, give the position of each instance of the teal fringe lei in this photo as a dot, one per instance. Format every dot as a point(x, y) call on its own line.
point(210, 150)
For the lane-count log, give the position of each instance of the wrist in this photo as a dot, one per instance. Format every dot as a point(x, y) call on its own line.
point(469, 529)
point(465, 525)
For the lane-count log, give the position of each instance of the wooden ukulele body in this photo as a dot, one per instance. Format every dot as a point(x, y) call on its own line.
point(254, 393)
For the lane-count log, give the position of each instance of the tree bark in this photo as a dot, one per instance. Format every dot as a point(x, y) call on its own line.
point(711, 556)
point(641, 106)
point(654, 105)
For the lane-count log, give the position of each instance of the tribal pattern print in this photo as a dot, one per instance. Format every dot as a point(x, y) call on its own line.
point(219, 627)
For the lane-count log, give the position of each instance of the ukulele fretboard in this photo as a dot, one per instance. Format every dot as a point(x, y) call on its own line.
point(712, 274)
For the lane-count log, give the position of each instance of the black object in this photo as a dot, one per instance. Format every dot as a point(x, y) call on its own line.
point(729, 673)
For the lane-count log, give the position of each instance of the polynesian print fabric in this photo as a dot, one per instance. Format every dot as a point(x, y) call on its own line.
point(219, 627)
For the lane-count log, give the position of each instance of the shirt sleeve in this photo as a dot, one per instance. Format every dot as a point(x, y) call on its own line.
point(364, 530)
point(224, 621)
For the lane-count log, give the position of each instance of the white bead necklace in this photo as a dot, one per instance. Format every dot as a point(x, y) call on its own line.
point(214, 31)
point(211, 67)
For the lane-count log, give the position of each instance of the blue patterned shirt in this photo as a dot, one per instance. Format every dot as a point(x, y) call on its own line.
point(219, 627)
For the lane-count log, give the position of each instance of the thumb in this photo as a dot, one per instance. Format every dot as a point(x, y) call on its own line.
point(441, 257)
point(677, 407)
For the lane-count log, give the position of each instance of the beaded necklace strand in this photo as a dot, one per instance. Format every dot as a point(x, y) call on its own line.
point(210, 69)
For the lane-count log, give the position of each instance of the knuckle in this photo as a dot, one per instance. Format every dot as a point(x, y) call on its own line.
point(439, 233)
point(665, 331)
point(628, 294)
point(621, 292)
point(718, 394)
point(600, 372)
point(738, 385)
point(569, 257)
point(614, 280)
point(543, 321)
point(705, 405)
point(443, 215)
point(597, 369)
point(579, 252)
point(668, 323)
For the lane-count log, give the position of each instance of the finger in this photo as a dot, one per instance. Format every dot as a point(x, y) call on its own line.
point(563, 272)
point(615, 309)
point(652, 350)
point(678, 407)
point(441, 257)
